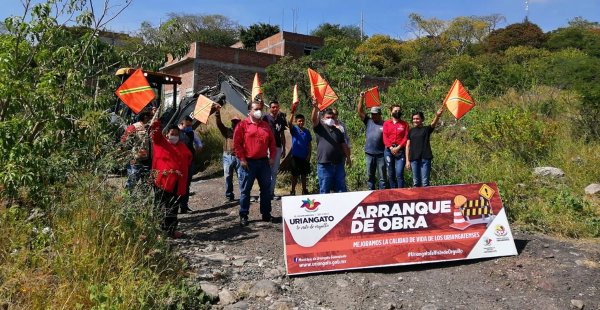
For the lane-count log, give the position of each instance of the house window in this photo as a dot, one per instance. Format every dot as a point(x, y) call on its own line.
point(308, 49)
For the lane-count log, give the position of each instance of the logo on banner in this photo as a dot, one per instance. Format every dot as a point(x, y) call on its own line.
point(310, 205)
point(488, 246)
point(469, 212)
point(500, 231)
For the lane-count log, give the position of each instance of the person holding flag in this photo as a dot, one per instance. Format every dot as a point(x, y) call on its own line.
point(231, 163)
point(374, 147)
point(170, 166)
point(418, 148)
point(395, 134)
point(332, 151)
point(301, 149)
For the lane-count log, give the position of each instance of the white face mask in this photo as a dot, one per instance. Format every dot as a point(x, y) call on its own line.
point(328, 121)
point(257, 114)
point(173, 139)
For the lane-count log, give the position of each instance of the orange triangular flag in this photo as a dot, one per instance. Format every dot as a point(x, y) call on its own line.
point(295, 99)
point(372, 97)
point(202, 109)
point(256, 89)
point(320, 89)
point(136, 92)
point(458, 100)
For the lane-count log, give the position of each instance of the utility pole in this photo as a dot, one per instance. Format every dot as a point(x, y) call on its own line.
point(362, 26)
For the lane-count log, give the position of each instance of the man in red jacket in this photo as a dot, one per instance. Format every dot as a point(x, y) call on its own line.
point(170, 164)
point(253, 141)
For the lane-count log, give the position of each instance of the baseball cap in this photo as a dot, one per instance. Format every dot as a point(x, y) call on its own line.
point(375, 110)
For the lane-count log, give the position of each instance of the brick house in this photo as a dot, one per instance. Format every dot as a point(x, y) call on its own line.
point(201, 65)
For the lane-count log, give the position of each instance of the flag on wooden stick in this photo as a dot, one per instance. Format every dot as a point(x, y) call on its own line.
point(458, 100)
point(256, 89)
point(136, 92)
point(202, 109)
point(295, 99)
point(372, 97)
point(320, 89)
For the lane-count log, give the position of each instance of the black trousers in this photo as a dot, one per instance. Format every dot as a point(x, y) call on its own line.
point(167, 204)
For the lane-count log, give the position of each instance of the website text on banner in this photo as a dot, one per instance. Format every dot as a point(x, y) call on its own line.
point(394, 227)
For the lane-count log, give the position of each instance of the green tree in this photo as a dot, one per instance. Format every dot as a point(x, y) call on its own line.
point(464, 31)
point(256, 33)
point(526, 34)
point(383, 53)
point(54, 86)
point(175, 35)
point(327, 30)
point(585, 39)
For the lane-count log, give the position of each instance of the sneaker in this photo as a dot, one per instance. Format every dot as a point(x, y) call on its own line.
point(230, 199)
point(177, 235)
point(185, 210)
point(253, 199)
point(276, 197)
point(243, 220)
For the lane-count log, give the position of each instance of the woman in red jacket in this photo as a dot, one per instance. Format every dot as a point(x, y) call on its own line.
point(170, 163)
point(395, 134)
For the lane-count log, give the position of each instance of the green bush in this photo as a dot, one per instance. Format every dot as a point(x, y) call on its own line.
point(95, 248)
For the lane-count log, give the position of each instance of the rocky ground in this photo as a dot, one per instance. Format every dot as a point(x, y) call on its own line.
point(244, 268)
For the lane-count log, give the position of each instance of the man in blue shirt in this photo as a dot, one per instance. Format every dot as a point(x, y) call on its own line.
point(301, 151)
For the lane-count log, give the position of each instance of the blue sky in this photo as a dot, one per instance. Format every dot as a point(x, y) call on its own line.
point(387, 17)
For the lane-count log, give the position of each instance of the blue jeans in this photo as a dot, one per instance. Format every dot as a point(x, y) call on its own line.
point(421, 170)
point(135, 173)
point(395, 168)
point(375, 163)
point(332, 177)
point(185, 198)
point(275, 169)
point(260, 170)
point(231, 164)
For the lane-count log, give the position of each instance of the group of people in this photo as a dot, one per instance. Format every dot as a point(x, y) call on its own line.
point(253, 149)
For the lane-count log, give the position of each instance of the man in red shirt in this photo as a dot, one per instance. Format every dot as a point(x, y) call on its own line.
point(170, 164)
point(395, 134)
point(253, 141)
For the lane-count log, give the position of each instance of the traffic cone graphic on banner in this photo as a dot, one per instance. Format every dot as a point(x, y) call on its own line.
point(459, 219)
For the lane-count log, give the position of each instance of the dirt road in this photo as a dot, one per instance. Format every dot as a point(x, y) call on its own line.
point(245, 267)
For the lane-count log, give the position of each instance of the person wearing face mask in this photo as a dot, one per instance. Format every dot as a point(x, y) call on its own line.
point(332, 151)
point(278, 124)
point(231, 163)
point(170, 165)
point(418, 148)
point(395, 134)
point(192, 141)
point(254, 145)
point(374, 147)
